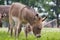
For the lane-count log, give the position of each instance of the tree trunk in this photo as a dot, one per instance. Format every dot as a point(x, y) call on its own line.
point(57, 20)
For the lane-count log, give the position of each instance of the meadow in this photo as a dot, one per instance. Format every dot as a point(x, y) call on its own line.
point(47, 34)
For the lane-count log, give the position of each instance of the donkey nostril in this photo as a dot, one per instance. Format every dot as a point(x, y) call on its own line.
point(38, 36)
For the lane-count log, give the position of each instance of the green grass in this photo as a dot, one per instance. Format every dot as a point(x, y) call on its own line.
point(46, 35)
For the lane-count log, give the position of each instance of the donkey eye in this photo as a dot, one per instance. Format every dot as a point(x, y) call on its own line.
point(37, 15)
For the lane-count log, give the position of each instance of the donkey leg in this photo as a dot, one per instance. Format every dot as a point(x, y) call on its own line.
point(19, 29)
point(17, 24)
point(27, 29)
point(10, 28)
point(11, 31)
point(26, 32)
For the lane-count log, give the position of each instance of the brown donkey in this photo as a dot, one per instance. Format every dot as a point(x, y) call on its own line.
point(21, 14)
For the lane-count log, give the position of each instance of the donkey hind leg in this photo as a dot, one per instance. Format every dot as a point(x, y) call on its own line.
point(17, 24)
point(10, 28)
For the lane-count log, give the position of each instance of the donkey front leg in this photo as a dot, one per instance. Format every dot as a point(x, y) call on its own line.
point(27, 29)
point(26, 32)
point(19, 29)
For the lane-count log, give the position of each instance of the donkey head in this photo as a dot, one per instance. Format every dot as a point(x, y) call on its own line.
point(37, 26)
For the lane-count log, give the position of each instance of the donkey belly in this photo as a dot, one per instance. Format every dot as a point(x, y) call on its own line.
point(16, 19)
point(23, 21)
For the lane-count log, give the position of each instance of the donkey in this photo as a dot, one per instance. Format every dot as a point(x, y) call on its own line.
point(22, 14)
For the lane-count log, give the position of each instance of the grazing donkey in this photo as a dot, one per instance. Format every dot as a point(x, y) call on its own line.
point(22, 14)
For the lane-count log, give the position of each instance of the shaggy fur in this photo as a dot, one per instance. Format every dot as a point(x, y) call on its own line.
point(22, 14)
